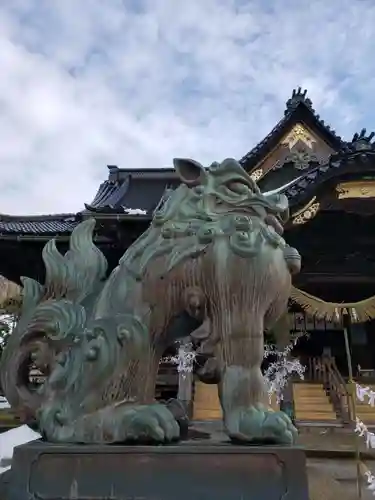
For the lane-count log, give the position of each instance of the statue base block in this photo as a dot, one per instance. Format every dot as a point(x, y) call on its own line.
point(190, 470)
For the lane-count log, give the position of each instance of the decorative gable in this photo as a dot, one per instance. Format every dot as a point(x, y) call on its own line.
point(300, 148)
point(298, 142)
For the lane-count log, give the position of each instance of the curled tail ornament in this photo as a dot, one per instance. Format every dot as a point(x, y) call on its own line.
point(56, 332)
point(52, 314)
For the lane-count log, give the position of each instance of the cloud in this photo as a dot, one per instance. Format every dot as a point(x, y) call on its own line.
point(134, 83)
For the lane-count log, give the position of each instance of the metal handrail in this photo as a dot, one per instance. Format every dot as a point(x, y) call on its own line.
point(337, 388)
point(323, 369)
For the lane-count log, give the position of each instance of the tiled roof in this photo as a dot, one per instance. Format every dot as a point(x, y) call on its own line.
point(110, 194)
point(144, 189)
point(355, 156)
point(33, 225)
point(298, 107)
point(142, 192)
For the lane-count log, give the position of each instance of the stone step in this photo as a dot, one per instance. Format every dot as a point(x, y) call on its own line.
point(206, 405)
point(308, 390)
point(316, 417)
point(311, 403)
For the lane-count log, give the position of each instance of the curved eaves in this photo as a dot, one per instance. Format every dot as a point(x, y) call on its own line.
point(346, 162)
point(109, 196)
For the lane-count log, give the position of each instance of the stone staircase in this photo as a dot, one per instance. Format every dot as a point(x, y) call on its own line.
point(311, 403)
point(206, 404)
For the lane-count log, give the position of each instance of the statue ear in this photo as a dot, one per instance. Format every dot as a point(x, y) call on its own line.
point(189, 171)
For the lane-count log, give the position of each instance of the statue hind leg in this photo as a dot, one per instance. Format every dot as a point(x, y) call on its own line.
point(243, 393)
point(111, 389)
point(138, 417)
point(133, 416)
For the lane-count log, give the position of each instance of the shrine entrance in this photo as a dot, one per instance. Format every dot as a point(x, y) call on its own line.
point(317, 338)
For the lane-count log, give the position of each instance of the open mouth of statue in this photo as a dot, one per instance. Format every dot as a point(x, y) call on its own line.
point(275, 223)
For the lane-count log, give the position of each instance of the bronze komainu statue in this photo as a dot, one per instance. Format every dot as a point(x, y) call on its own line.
point(213, 252)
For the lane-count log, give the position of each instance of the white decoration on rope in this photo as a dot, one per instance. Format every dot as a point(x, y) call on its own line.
point(184, 359)
point(271, 349)
point(362, 430)
point(277, 373)
point(370, 481)
point(365, 391)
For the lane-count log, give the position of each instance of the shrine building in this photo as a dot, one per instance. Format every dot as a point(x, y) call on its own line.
point(330, 184)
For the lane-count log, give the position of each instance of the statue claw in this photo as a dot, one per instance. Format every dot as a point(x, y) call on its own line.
point(152, 423)
point(260, 425)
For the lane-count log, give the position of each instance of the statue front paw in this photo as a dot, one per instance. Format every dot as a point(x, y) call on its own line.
point(152, 423)
point(260, 425)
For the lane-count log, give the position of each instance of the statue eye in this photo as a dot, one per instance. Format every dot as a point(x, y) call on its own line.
point(238, 187)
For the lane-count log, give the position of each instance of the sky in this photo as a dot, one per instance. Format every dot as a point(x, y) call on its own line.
point(134, 83)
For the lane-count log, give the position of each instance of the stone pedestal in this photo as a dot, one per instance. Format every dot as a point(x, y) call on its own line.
point(186, 471)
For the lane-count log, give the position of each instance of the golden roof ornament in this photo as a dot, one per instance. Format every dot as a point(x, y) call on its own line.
point(257, 174)
point(307, 213)
point(298, 133)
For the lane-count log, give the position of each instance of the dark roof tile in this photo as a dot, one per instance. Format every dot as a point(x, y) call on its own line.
point(109, 196)
point(34, 225)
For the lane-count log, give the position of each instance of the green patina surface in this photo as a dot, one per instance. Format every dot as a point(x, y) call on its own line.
point(213, 251)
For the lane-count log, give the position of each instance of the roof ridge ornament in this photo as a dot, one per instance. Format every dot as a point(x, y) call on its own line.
point(298, 96)
point(361, 142)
